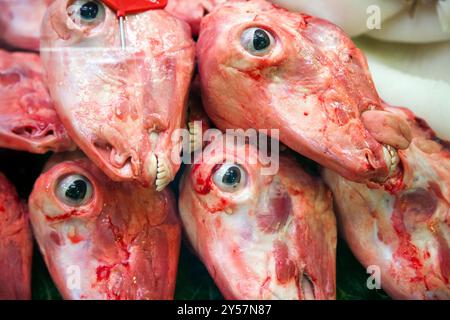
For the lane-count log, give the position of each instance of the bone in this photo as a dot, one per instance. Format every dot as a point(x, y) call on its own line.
point(163, 175)
point(195, 138)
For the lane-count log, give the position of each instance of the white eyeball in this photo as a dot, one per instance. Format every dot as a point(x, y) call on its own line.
point(230, 177)
point(257, 41)
point(86, 12)
point(74, 190)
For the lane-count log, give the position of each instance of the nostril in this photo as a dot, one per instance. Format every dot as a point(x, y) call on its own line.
point(119, 160)
point(101, 144)
point(32, 131)
point(123, 161)
point(307, 287)
point(25, 131)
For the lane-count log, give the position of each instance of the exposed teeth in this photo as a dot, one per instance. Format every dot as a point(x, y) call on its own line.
point(153, 137)
point(163, 176)
point(391, 157)
point(195, 139)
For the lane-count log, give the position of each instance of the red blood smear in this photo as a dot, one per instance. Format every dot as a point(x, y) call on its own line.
point(119, 240)
point(255, 75)
point(62, 217)
point(395, 183)
point(223, 203)
point(103, 272)
point(203, 186)
point(7, 79)
point(75, 238)
point(405, 204)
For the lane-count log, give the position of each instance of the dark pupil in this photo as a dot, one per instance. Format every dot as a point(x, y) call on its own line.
point(261, 40)
point(232, 176)
point(77, 190)
point(89, 10)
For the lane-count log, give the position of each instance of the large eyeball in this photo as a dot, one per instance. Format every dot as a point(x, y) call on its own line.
point(230, 177)
point(257, 41)
point(74, 190)
point(86, 12)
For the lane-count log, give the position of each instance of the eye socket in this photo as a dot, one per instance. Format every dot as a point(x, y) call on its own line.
point(257, 41)
point(86, 12)
point(74, 190)
point(230, 177)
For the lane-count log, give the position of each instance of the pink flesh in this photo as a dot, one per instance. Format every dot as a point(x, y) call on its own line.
point(120, 106)
point(192, 11)
point(20, 22)
point(15, 245)
point(406, 231)
point(273, 239)
point(314, 85)
point(28, 120)
point(125, 242)
point(195, 106)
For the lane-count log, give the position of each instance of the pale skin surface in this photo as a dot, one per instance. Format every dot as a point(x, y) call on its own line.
point(28, 119)
point(311, 83)
point(121, 242)
point(269, 236)
point(20, 22)
point(120, 106)
point(16, 245)
point(405, 230)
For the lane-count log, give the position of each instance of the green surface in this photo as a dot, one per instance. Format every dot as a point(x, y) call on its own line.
point(193, 280)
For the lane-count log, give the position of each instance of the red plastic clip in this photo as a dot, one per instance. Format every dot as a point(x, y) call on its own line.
point(124, 7)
